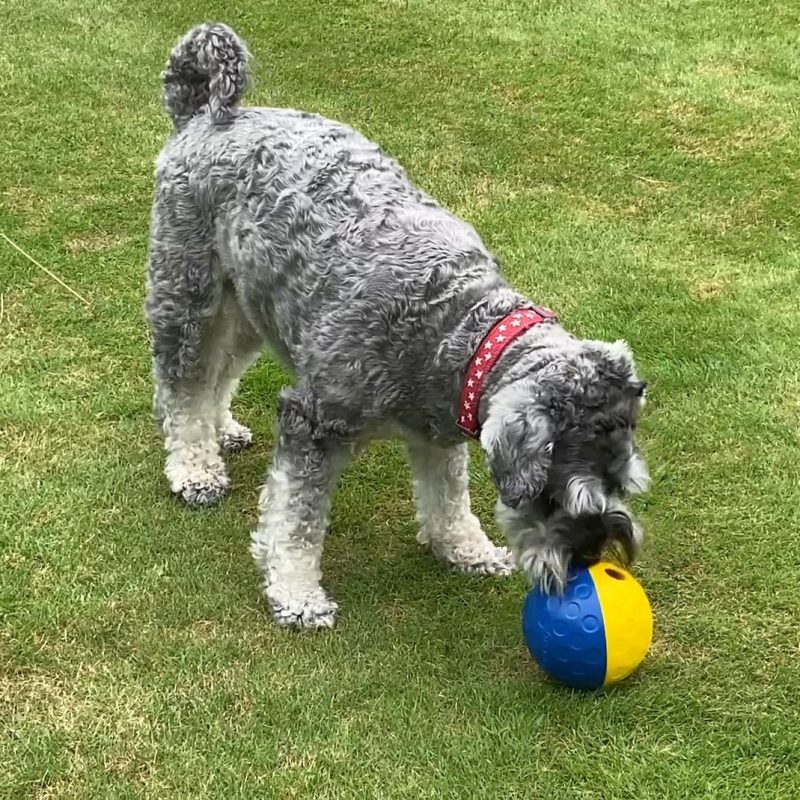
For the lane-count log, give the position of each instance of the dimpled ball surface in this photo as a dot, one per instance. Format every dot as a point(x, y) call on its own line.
point(596, 634)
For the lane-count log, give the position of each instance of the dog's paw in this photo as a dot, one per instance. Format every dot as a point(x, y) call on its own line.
point(235, 438)
point(546, 568)
point(486, 560)
point(466, 548)
point(199, 487)
point(309, 609)
point(202, 495)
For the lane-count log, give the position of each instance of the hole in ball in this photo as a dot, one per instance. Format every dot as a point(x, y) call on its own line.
point(615, 574)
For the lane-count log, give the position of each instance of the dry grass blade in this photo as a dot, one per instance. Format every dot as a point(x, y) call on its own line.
point(46, 270)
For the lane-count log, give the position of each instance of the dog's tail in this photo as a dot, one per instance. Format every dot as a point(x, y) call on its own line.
point(208, 72)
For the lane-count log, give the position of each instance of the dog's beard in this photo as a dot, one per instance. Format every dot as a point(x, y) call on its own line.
point(546, 539)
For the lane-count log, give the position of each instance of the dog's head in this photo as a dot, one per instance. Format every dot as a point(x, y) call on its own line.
point(560, 447)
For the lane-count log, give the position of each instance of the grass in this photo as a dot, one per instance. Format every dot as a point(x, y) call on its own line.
point(635, 165)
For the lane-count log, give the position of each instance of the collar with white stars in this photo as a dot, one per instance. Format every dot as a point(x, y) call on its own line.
point(509, 328)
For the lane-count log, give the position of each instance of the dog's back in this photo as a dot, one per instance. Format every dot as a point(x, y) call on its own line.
point(321, 232)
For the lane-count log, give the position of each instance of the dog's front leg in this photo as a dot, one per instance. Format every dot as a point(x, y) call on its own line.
point(294, 511)
point(447, 525)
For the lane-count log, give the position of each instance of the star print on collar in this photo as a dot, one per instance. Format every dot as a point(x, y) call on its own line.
point(508, 329)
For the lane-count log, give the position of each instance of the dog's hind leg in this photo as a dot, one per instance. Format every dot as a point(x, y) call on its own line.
point(447, 524)
point(239, 348)
point(188, 327)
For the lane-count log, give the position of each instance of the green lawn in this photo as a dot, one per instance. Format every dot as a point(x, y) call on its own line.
point(635, 164)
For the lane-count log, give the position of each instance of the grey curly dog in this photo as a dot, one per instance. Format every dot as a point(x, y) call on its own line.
point(278, 228)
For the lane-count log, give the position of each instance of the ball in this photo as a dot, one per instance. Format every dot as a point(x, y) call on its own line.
point(595, 634)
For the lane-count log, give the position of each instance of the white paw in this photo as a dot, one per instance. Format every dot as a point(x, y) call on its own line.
point(198, 483)
point(467, 548)
point(485, 560)
point(301, 609)
point(235, 437)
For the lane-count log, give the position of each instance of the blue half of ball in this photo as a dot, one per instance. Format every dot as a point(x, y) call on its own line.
point(565, 635)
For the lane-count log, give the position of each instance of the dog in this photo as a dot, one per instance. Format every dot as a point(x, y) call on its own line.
point(282, 229)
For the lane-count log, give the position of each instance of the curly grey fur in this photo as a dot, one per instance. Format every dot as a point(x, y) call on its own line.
point(285, 229)
point(208, 69)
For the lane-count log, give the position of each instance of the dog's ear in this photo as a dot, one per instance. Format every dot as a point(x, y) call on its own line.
point(518, 446)
point(620, 352)
point(616, 359)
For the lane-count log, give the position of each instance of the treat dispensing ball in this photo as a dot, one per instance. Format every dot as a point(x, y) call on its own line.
point(596, 633)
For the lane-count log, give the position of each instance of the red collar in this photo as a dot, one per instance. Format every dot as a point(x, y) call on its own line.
point(509, 328)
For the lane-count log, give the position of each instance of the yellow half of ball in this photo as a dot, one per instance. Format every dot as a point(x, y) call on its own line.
point(627, 618)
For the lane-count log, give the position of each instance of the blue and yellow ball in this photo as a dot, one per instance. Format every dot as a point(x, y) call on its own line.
point(595, 634)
